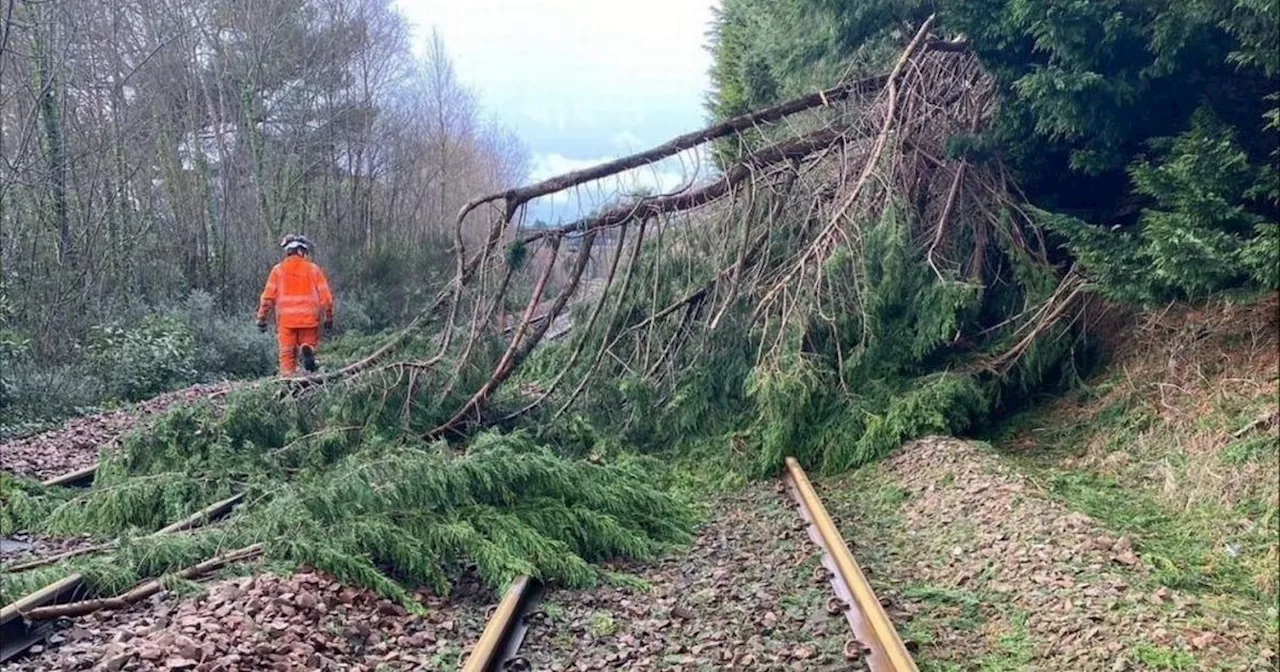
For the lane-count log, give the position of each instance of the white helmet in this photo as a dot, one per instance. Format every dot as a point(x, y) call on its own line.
point(293, 242)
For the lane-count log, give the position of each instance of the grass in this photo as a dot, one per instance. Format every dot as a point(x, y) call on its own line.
point(797, 605)
point(1223, 551)
point(1014, 649)
point(944, 610)
point(1167, 449)
point(602, 624)
point(554, 611)
point(1179, 545)
point(1253, 449)
point(447, 658)
point(626, 580)
point(1139, 475)
point(1155, 657)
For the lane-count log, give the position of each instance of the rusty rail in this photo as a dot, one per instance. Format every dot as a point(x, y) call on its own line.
point(881, 645)
point(17, 634)
point(503, 634)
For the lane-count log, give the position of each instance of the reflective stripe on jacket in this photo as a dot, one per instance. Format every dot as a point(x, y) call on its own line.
point(299, 292)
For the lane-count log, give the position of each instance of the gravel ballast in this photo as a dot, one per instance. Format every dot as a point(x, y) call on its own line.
point(745, 596)
point(75, 444)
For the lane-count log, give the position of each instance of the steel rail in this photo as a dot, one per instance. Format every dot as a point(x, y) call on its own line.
point(503, 634)
point(78, 478)
point(18, 635)
point(882, 647)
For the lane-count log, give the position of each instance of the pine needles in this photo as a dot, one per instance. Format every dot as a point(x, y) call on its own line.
point(390, 515)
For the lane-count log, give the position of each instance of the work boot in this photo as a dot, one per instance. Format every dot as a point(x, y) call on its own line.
point(309, 359)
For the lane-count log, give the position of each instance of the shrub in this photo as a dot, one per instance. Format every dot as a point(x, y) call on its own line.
point(141, 361)
point(1199, 236)
point(352, 318)
point(12, 345)
point(225, 346)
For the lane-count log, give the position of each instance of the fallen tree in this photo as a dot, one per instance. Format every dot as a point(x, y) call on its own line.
point(849, 281)
point(869, 158)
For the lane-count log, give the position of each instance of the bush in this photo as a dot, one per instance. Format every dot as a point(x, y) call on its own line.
point(138, 362)
point(352, 318)
point(38, 395)
point(12, 346)
point(181, 345)
point(32, 395)
point(225, 347)
point(1200, 235)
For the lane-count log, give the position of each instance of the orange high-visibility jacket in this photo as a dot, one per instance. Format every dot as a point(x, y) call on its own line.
point(299, 292)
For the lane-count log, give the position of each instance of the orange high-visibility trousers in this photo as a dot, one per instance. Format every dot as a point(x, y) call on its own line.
point(292, 338)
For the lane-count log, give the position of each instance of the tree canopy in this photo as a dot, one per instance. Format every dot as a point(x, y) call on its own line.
point(1106, 109)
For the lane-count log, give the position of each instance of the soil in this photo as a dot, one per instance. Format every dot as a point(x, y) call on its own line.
point(983, 571)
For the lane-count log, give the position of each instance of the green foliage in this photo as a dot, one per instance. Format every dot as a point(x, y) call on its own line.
point(224, 346)
point(390, 286)
point(1195, 232)
point(154, 351)
point(12, 347)
point(764, 51)
point(788, 408)
point(24, 502)
point(140, 361)
point(386, 513)
point(40, 395)
point(942, 404)
point(1099, 117)
point(1198, 238)
point(861, 383)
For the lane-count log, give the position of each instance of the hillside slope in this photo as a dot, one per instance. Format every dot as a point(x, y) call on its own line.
point(1130, 525)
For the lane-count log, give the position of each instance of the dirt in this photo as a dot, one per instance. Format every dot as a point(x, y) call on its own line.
point(985, 572)
point(745, 596)
point(308, 621)
point(76, 444)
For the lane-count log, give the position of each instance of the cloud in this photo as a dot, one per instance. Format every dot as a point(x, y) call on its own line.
point(666, 176)
point(570, 73)
point(627, 141)
point(548, 165)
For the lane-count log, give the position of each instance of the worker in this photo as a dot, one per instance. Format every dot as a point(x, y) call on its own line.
point(299, 292)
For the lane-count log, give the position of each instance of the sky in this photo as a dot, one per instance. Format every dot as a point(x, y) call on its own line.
point(581, 81)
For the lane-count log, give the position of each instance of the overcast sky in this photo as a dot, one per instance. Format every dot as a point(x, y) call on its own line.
point(580, 81)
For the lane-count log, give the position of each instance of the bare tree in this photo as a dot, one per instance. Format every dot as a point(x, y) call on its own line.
point(155, 147)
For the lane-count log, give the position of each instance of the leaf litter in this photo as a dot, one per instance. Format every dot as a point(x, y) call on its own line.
point(307, 621)
point(76, 444)
point(982, 570)
point(744, 596)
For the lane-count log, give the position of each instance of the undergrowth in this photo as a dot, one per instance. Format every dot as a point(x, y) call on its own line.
point(1173, 448)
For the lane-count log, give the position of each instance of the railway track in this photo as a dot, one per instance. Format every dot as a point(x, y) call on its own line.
point(876, 642)
point(28, 620)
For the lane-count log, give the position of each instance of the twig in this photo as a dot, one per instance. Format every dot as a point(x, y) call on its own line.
point(142, 591)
